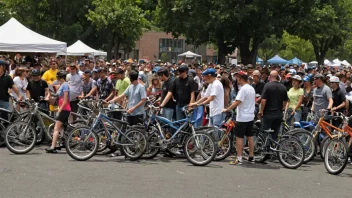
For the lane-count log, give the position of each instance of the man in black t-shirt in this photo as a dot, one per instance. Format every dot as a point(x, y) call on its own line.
point(274, 99)
point(182, 88)
point(38, 88)
point(339, 99)
point(6, 83)
point(170, 106)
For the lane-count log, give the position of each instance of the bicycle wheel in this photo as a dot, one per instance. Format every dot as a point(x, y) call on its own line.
point(225, 147)
point(307, 142)
point(324, 143)
point(336, 156)
point(200, 149)
point(291, 153)
point(2, 136)
point(260, 149)
point(152, 148)
point(20, 137)
point(134, 144)
point(82, 143)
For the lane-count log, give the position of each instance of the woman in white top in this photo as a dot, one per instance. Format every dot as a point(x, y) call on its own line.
point(20, 81)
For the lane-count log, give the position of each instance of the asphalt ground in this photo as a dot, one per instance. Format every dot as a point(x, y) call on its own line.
point(42, 175)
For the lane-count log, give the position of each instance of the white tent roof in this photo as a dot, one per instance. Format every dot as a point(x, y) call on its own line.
point(189, 54)
point(314, 62)
point(327, 62)
point(337, 61)
point(80, 49)
point(15, 37)
point(344, 62)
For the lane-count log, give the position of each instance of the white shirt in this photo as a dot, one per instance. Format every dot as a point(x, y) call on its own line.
point(245, 110)
point(217, 105)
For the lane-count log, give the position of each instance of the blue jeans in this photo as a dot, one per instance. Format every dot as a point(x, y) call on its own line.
point(180, 114)
point(216, 121)
point(168, 113)
point(296, 117)
point(4, 104)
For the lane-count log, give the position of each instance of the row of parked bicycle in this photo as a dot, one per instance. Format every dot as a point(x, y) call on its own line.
point(95, 131)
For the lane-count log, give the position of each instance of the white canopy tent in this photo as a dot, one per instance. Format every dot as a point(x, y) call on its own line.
point(15, 37)
point(190, 55)
point(344, 62)
point(81, 49)
point(327, 62)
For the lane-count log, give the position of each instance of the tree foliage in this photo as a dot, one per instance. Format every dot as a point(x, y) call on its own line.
point(326, 26)
point(122, 19)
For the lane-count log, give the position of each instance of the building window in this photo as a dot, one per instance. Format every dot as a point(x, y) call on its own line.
point(172, 47)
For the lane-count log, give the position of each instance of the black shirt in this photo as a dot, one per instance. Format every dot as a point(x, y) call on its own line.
point(6, 83)
point(37, 89)
point(275, 94)
point(338, 97)
point(165, 89)
point(182, 89)
point(288, 84)
point(259, 87)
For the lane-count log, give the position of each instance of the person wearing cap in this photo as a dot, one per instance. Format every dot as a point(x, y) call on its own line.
point(183, 90)
point(76, 87)
point(6, 83)
point(38, 88)
point(122, 83)
point(214, 96)
point(322, 95)
point(50, 75)
point(89, 86)
point(339, 99)
point(258, 85)
point(295, 96)
point(104, 86)
point(137, 96)
point(274, 100)
point(169, 108)
point(249, 69)
point(245, 108)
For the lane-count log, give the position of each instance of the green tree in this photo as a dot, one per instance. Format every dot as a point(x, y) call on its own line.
point(230, 23)
point(122, 19)
point(269, 47)
point(294, 46)
point(164, 58)
point(326, 26)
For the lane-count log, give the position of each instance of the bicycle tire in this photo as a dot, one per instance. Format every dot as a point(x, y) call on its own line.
point(188, 145)
point(93, 136)
point(142, 143)
point(7, 137)
point(2, 137)
point(324, 143)
point(308, 143)
point(298, 149)
point(259, 148)
point(326, 156)
point(151, 150)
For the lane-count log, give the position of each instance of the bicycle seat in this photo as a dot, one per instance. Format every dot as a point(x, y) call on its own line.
point(269, 131)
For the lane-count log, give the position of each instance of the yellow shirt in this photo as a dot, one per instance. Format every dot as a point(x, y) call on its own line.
point(293, 95)
point(50, 76)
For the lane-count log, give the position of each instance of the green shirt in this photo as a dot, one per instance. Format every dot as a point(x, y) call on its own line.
point(293, 95)
point(122, 85)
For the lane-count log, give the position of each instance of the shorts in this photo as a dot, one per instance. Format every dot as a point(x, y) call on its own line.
point(63, 116)
point(74, 106)
point(244, 129)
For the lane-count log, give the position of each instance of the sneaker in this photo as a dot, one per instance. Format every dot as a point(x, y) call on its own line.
point(236, 162)
point(50, 150)
point(251, 160)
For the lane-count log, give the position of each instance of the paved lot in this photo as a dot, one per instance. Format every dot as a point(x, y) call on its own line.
point(42, 175)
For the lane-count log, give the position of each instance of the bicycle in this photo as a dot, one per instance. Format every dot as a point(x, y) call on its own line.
point(288, 149)
point(85, 138)
point(185, 138)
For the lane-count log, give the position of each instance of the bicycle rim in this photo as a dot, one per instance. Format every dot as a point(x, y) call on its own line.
point(308, 145)
point(336, 156)
point(200, 149)
point(224, 148)
point(138, 144)
point(291, 153)
point(20, 137)
point(82, 144)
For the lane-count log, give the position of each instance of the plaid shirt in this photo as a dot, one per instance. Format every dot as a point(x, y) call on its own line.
point(105, 87)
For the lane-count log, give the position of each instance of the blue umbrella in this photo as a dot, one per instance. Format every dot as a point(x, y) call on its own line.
point(277, 60)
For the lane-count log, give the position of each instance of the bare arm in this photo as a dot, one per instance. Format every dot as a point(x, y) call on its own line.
point(118, 98)
point(331, 101)
point(300, 100)
point(166, 99)
point(17, 92)
point(192, 97)
point(233, 105)
point(94, 89)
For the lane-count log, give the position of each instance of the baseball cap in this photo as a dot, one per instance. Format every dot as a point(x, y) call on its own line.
point(182, 68)
point(334, 79)
point(319, 76)
point(2, 62)
point(35, 72)
point(119, 71)
point(329, 75)
point(297, 77)
point(103, 70)
point(87, 71)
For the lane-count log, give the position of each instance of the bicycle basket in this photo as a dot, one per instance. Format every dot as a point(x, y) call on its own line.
point(197, 114)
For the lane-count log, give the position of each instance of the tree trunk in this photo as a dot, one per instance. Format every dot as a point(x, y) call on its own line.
point(248, 56)
point(116, 49)
point(110, 46)
point(319, 55)
point(221, 52)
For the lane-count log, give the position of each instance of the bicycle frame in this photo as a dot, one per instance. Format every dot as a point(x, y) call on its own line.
point(324, 125)
point(103, 118)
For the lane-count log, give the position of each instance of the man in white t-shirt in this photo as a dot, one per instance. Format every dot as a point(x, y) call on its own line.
point(245, 104)
point(213, 95)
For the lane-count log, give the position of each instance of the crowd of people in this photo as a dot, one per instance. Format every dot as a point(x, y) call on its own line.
point(256, 92)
